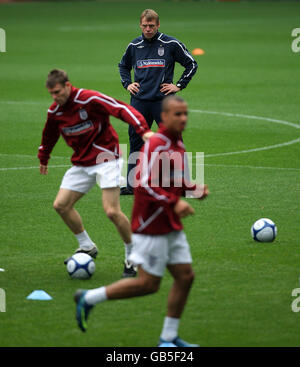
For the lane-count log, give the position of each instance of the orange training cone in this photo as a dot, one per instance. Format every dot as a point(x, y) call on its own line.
point(198, 51)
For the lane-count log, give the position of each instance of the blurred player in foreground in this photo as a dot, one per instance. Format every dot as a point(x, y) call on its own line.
point(81, 116)
point(158, 239)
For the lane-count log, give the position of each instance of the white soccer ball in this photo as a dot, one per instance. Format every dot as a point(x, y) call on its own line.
point(81, 266)
point(264, 230)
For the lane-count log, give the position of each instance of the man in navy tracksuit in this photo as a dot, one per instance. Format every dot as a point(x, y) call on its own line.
point(152, 56)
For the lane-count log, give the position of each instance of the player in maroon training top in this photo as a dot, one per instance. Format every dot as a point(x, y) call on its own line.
point(82, 118)
point(158, 239)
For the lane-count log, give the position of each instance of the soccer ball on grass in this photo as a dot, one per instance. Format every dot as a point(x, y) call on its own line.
point(80, 266)
point(264, 230)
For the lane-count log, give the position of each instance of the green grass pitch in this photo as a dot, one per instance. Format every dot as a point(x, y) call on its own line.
point(242, 292)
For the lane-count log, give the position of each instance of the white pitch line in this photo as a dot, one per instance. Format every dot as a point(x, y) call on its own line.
point(205, 165)
point(269, 147)
point(35, 167)
point(252, 167)
point(92, 28)
point(26, 102)
point(282, 122)
point(29, 156)
point(30, 103)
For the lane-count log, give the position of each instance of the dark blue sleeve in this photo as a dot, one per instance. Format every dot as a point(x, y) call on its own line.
point(125, 67)
point(184, 58)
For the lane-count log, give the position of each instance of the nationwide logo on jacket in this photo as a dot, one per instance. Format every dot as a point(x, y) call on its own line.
point(151, 63)
point(78, 129)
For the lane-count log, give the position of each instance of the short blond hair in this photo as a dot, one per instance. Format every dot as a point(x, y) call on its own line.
point(56, 76)
point(149, 14)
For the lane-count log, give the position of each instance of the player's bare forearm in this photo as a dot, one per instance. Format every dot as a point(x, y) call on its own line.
point(201, 192)
point(198, 192)
point(183, 209)
point(43, 169)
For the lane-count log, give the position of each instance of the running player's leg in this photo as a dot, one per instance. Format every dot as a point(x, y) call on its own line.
point(108, 177)
point(111, 206)
point(142, 285)
point(75, 183)
point(181, 270)
point(179, 265)
point(85, 300)
point(150, 253)
point(64, 206)
point(183, 279)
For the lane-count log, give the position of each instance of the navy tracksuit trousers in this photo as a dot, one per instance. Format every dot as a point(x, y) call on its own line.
point(151, 110)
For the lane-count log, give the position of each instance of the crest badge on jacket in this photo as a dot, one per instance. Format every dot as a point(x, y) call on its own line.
point(161, 51)
point(83, 114)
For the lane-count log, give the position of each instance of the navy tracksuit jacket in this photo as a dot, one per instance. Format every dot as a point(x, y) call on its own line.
point(153, 62)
